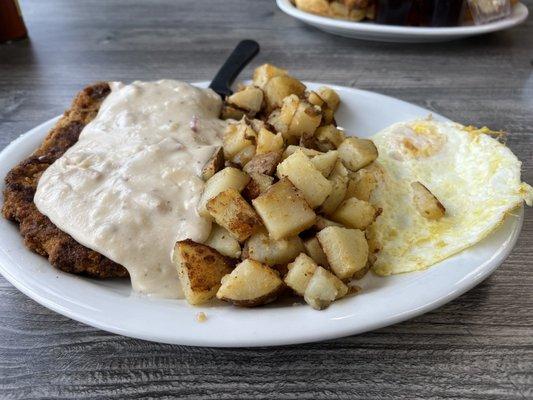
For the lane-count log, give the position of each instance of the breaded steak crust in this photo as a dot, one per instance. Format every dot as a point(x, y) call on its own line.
point(39, 233)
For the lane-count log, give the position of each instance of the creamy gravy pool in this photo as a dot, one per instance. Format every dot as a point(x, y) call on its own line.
point(128, 188)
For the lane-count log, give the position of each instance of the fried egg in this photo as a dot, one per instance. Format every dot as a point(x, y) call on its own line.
point(473, 175)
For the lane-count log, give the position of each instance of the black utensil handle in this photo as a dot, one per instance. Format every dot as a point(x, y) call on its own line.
point(238, 59)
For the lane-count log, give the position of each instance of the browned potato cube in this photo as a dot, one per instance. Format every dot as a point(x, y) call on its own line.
point(229, 112)
point(361, 184)
point(243, 157)
point(329, 136)
point(284, 211)
point(268, 142)
point(249, 99)
point(291, 149)
point(250, 133)
point(236, 138)
point(228, 178)
point(307, 179)
point(330, 96)
point(339, 170)
point(325, 162)
point(300, 272)
point(355, 213)
point(304, 121)
point(231, 211)
point(250, 284)
point(346, 250)
point(200, 270)
point(315, 99)
point(259, 183)
point(339, 182)
point(324, 288)
point(289, 106)
point(357, 153)
point(263, 163)
point(223, 242)
point(426, 203)
point(313, 248)
point(261, 247)
point(296, 118)
point(215, 164)
point(266, 72)
point(279, 87)
point(275, 120)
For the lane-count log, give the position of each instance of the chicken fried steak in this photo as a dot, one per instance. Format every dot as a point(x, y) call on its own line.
point(39, 233)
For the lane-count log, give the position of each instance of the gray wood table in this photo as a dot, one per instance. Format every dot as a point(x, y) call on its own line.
point(479, 346)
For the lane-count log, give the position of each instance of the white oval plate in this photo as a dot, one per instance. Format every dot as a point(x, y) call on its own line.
point(392, 33)
point(110, 305)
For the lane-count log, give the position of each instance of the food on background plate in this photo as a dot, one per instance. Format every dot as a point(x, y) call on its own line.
point(357, 10)
point(484, 11)
point(434, 13)
point(273, 198)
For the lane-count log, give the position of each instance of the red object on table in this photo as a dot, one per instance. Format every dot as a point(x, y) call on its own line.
point(11, 24)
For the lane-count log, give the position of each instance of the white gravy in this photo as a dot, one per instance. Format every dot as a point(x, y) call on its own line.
point(128, 188)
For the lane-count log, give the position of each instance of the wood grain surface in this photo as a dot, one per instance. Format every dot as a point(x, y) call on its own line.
point(479, 346)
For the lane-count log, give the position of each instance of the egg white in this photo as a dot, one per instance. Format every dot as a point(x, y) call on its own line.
point(474, 176)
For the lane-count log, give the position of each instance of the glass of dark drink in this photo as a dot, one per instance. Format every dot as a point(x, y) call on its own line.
point(438, 13)
point(393, 12)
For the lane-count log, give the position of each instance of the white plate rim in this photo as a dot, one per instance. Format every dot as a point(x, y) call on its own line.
point(519, 9)
point(344, 328)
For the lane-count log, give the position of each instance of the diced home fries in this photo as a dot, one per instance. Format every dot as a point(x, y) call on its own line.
point(231, 211)
point(324, 288)
point(250, 284)
point(200, 270)
point(300, 273)
point(314, 250)
point(223, 242)
point(289, 195)
point(426, 203)
point(228, 178)
point(355, 213)
point(357, 153)
point(259, 183)
point(325, 162)
point(263, 248)
point(284, 210)
point(346, 250)
point(314, 187)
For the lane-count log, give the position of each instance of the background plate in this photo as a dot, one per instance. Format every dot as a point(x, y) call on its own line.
point(111, 306)
point(391, 33)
